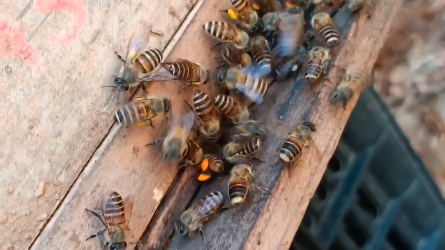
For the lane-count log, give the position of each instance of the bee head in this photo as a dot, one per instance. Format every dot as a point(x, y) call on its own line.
point(167, 105)
point(179, 227)
point(173, 150)
point(221, 74)
point(310, 125)
point(118, 245)
point(121, 83)
point(341, 96)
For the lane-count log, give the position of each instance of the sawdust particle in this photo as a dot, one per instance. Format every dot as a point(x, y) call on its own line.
point(157, 194)
point(41, 187)
point(10, 189)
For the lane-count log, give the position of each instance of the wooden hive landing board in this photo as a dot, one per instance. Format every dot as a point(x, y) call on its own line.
point(270, 222)
point(54, 113)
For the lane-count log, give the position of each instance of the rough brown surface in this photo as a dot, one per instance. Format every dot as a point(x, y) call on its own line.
point(270, 222)
point(54, 58)
point(410, 77)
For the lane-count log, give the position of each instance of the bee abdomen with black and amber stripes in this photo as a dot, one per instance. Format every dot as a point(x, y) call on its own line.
point(231, 108)
point(206, 113)
point(114, 210)
point(295, 142)
point(234, 151)
point(323, 24)
point(226, 32)
point(261, 54)
point(148, 61)
point(240, 182)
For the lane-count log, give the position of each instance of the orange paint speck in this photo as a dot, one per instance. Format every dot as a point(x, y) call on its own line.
point(14, 43)
point(74, 7)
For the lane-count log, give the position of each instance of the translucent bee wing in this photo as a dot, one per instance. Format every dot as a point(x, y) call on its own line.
point(187, 124)
point(254, 95)
point(129, 204)
point(160, 75)
point(207, 208)
point(137, 43)
point(247, 88)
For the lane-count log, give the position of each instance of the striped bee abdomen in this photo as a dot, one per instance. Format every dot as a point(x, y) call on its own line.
point(114, 210)
point(313, 71)
point(148, 61)
point(329, 34)
point(250, 147)
point(238, 4)
point(203, 105)
point(291, 149)
point(238, 190)
point(129, 114)
point(225, 104)
point(215, 164)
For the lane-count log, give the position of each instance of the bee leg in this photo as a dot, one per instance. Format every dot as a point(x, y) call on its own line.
point(261, 188)
point(97, 234)
point(97, 215)
point(154, 142)
point(120, 57)
point(256, 159)
point(216, 45)
point(150, 123)
point(188, 84)
point(201, 232)
point(143, 87)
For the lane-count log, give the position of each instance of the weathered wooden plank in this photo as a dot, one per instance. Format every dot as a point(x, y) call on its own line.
point(54, 113)
point(271, 222)
point(124, 164)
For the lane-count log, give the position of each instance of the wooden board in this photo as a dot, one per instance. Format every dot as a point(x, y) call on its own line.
point(54, 56)
point(270, 222)
point(124, 164)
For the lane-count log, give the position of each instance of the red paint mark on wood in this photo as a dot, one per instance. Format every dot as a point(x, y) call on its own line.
point(14, 43)
point(73, 7)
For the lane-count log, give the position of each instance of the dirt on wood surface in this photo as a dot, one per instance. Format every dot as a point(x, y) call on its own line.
point(410, 75)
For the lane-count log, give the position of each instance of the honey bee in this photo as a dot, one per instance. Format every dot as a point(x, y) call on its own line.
point(206, 113)
point(323, 24)
point(240, 183)
point(226, 32)
point(244, 13)
point(288, 65)
point(235, 151)
point(261, 54)
point(319, 62)
point(143, 110)
point(265, 6)
point(231, 108)
point(175, 144)
point(291, 31)
point(252, 86)
point(354, 5)
point(209, 165)
point(248, 129)
point(271, 21)
point(138, 62)
point(186, 71)
point(296, 140)
point(234, 56)
point(351, 83)
point(192, 154)
point(192, 219)
point(116, 216)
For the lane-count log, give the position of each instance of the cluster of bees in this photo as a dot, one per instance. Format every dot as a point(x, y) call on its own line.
point(268, 41)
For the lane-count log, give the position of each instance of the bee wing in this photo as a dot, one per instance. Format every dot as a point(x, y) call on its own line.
point(129, 204)
point(137, 43)
point(184, 121)
point(203, 211)
point(248, 88)
point(160, 75)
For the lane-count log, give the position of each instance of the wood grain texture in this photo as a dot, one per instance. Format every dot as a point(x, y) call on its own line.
point(54, 113)
point(270, 222)
point(124, 164)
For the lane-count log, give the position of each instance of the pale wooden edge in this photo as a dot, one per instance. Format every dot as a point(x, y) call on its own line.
point(102, 148)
